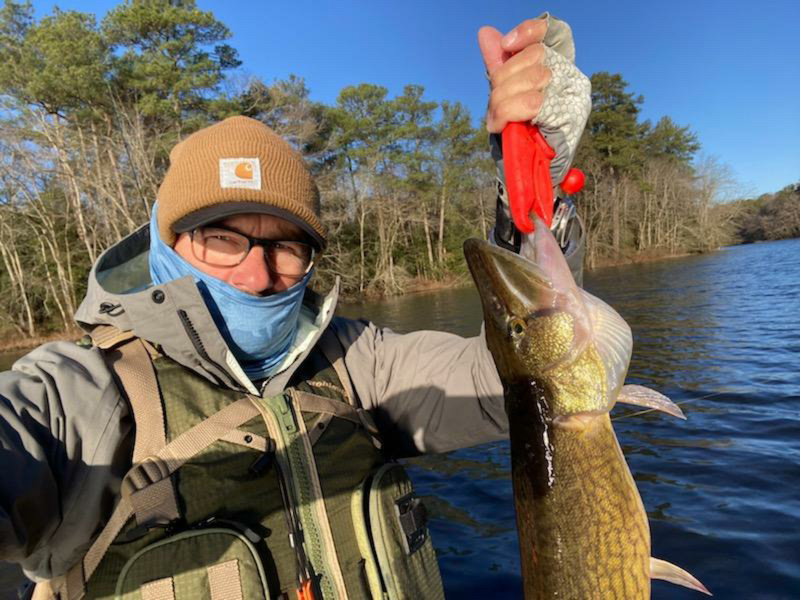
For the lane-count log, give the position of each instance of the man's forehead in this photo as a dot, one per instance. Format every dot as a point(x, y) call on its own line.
point(261, 225)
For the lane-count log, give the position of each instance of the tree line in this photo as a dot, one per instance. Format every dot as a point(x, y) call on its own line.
point(769, 216)
point(90, 109)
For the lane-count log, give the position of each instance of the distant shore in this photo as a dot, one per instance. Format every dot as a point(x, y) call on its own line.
point(416, 286)
point(24, 343)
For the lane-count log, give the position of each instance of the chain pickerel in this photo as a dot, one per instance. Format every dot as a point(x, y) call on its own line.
point(562, 355)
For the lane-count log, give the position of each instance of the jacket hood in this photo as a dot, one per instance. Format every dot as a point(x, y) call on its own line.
point(174, 316)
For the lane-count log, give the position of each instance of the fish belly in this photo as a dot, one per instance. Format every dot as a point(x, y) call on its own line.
point(583, 531)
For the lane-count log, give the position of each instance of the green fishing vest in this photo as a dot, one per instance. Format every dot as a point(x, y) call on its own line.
point(234, 496)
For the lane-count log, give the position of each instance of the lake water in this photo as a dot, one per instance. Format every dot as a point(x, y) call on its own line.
point(717, 333)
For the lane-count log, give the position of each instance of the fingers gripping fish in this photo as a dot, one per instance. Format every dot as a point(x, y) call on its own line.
point(562, 355)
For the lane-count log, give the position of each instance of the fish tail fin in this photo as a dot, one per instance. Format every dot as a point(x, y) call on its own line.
point(666, 571)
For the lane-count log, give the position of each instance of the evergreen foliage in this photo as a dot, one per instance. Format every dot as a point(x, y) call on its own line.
point(89, 111)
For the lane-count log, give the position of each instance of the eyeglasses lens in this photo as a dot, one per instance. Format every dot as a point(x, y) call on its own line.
point(225, 248)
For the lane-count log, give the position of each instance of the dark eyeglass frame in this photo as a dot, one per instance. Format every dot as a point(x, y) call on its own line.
point(266, 244)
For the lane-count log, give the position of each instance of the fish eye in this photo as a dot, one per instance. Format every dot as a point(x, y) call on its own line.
point(517, 326)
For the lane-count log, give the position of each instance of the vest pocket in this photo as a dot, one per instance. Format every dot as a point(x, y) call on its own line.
point(210, 564)
point(392, 533)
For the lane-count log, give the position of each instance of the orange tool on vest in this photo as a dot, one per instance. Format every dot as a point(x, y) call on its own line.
point(306, 590)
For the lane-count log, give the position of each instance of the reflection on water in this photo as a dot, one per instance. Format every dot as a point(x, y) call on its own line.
point(719, 335)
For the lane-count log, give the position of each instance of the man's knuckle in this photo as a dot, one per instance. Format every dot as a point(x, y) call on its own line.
point(506, 110)
point(534, 101)
point(547, 75)
point(526, 29)
point(541, 77)
point(493, 101)
point(533, 54)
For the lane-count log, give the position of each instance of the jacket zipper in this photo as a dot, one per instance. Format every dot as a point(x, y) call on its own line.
point(287, 470)
point(194, 337)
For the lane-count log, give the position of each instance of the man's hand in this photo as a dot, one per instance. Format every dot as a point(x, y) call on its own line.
point(515, 67)
point(533, 78)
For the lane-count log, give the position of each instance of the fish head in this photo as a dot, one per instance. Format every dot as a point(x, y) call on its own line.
point(541, 327)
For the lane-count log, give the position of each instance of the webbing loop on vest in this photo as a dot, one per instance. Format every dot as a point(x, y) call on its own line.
point(151, 470)
point(108, 336)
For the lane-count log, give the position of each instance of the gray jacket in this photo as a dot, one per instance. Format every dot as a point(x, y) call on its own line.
point(66, 433)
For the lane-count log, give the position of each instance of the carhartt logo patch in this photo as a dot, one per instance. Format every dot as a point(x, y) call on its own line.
point(240, 173)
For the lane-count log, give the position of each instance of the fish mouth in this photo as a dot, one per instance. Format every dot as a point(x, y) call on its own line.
point(506, 281)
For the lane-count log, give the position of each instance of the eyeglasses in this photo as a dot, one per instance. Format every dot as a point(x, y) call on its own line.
point(220, 247)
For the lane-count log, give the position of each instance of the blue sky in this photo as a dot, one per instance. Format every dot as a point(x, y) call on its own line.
point(730, 70)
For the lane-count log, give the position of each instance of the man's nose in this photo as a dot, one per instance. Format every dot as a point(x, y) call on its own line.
point(252, 274)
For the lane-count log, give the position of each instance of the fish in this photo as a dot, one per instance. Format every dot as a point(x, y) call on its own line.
point(562, 356)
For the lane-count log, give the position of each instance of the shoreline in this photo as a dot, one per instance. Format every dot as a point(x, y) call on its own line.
point(636, 259)
point(23, 343)
point(416, 286)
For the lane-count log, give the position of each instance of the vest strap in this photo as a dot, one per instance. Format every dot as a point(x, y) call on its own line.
point(332, 349)
point(108, 336)
point(327, 408)
point(130, 359)
point(219, 426)
point(319, 404)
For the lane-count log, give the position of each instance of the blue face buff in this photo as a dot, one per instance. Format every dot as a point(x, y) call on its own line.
point(259, 330)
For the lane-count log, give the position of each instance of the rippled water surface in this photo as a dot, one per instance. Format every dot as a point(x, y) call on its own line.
point(719, 333)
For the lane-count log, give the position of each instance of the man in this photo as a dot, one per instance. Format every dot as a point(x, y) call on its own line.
point(221, 433)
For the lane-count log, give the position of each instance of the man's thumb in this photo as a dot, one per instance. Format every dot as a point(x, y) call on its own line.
point(493, 54)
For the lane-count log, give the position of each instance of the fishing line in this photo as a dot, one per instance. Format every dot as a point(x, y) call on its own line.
point(648, 410)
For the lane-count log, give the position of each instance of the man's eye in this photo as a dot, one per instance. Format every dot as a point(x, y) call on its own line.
point(288, 247)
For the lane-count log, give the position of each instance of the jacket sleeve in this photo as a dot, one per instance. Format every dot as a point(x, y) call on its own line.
point(64, 442)
point(428, 391)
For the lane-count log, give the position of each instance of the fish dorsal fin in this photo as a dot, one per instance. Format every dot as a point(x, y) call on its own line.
point(638, 395)
point(666, 571)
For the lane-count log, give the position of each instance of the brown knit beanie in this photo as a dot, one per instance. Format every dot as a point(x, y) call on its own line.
point(236, 166)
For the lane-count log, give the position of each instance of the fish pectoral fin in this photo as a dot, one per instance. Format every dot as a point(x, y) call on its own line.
point(643, 396)
point(666, 571)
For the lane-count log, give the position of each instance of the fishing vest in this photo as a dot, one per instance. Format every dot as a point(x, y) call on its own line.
point(235, 497)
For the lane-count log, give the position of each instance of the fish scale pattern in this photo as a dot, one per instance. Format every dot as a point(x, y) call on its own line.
point(586, 532)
